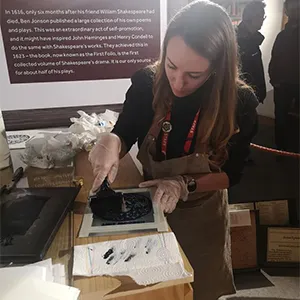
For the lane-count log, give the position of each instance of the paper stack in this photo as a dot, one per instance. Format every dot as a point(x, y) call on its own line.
point(35, 282)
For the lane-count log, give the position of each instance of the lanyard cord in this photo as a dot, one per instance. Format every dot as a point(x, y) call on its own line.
point(167, 128)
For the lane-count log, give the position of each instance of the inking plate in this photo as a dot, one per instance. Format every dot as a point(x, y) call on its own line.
point(153, 221)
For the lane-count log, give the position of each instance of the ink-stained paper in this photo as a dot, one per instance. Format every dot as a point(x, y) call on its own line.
point(147, 260)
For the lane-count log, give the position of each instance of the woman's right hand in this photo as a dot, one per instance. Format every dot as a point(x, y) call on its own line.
point(104, 158)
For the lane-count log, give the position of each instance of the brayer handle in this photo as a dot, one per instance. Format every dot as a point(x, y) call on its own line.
point(18, 174)
point(104, 187)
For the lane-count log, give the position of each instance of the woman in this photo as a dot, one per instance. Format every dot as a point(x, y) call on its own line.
point(193, 120)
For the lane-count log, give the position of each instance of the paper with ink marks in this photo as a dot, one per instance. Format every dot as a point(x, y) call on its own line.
point(147, 259)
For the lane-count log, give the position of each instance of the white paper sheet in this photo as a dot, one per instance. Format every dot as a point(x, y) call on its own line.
point(54, 273)
point(39, 281)
point(12, 277)
point(47, 264)
point(59, 274)
point(148, 259)
point(36, 289)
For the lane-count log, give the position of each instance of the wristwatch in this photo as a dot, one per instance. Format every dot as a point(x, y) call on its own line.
point(191, 184)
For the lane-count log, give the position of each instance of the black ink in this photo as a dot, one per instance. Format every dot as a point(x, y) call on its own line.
point(110, 205)
point(129, 257)
point(120, 257)
point(149, 245)
point(108, 253)
point(109, 260)
point(148, 249)
point(106, 201)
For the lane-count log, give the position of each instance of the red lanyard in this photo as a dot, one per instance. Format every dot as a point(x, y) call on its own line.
point(167, 127)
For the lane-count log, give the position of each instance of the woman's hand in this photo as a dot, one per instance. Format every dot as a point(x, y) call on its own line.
point(104, 158)
point(168, 192)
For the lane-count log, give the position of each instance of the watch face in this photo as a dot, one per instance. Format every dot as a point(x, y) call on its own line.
point(192, 186)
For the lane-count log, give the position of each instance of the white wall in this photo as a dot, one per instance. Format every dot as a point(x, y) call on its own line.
point(63, 94)
point(270, 29)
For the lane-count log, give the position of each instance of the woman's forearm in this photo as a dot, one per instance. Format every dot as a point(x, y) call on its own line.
point(211, 182)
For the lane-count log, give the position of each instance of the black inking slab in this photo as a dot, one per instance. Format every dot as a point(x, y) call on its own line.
point(29, 221)
point(137, 205)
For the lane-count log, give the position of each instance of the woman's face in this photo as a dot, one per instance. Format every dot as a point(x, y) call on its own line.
point(186, 70)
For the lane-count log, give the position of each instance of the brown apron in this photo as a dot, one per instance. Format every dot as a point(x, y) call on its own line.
point(201, 224)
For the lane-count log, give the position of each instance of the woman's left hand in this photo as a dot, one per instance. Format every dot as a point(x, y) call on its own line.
point(169, 191)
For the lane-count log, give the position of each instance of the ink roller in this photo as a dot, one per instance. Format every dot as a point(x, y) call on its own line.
point(106, 203)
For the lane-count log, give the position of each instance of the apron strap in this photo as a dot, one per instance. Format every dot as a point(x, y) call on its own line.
point(200, 147)
point(155, 127)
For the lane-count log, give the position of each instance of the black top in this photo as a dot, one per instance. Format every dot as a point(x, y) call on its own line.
point(284, 64)
point(251, 59)
point(136, 119)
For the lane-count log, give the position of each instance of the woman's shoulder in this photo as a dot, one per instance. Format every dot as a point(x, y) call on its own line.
point(144, 78)
point(246, 100)
point(140, 94)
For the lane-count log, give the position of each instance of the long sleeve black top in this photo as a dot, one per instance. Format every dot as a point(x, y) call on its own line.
point(136, 118)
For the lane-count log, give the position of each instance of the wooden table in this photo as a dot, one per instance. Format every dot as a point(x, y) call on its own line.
point(61, 250)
